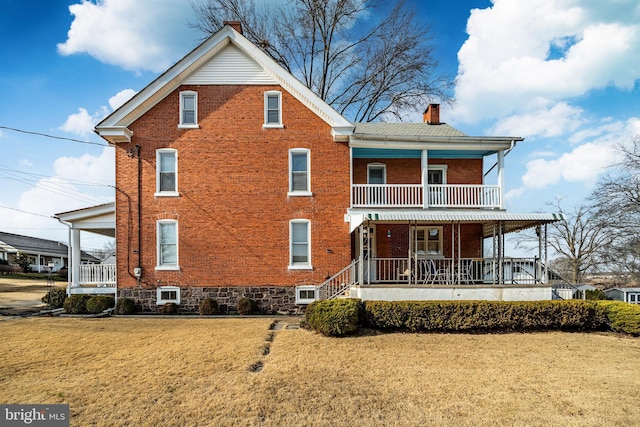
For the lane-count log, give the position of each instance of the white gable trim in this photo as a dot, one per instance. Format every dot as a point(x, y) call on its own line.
point(114, 127)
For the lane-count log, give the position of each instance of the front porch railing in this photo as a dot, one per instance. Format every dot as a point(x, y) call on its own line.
point(100, 275)
point(439, 196)
point(447, 271)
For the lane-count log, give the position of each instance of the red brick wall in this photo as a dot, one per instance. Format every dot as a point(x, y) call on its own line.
point(233, 211)
point(408, 171)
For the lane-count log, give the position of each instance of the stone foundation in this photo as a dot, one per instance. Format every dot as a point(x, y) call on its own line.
point(271, 299)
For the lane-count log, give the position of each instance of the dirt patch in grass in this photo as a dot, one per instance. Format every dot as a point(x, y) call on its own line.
point(181, 372)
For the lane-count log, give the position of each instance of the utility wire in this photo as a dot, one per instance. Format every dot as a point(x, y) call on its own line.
point(54, 136)
point(30, 213)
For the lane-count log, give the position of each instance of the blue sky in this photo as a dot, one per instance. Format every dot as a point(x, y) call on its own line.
point(564, 74)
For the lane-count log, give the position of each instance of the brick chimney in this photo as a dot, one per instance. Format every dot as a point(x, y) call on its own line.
point(432, 114)
point(234, 24)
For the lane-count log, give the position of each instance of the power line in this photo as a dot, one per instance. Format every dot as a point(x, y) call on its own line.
point(54, 136)
point(30, 213)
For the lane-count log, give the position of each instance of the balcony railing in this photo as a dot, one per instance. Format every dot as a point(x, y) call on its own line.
point(439, 196)
point(100, 275)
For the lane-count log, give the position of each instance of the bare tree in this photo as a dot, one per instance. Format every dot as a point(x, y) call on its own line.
point(366, 59)
point(618, 198)
point(577, 241)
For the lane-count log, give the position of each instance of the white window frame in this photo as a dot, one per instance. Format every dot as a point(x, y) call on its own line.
point(306, 289)
point(268, 124)
point(293, 192)
point(159, 153)
point(161, 289)
point(442, 168)
point(412, 240)
point(181, 123)
point(300, 266)
point(159, 266)
point(377, 166)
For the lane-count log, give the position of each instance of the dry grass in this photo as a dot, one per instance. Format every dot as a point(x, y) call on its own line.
point(188, 372)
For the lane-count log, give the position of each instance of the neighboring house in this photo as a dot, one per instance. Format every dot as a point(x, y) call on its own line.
point(234, 179)
point(45, 255)
point(630, 295)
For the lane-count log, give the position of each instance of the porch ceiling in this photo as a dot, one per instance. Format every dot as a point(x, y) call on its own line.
point(512, 221)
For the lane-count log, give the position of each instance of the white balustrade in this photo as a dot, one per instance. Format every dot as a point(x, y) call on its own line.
point(439, 196)
point(98, 274)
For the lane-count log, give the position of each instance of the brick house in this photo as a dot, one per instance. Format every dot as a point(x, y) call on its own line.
point(234, 179)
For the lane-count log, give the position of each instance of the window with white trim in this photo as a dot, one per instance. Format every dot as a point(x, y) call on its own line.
point(188, 109)
point(167, 294)
point(634, 298)
point(306, 294)
point(167, 245)
point(426, 240)
point(166, 172)
point(299, 172)
point(273, 109)
point(376, 173)
point(299, 244)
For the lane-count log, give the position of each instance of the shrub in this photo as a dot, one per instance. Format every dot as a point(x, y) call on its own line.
point(208, 306)
point(483, 316)
point(99, 303)
point(168, 308)
point(247, 306)
point(595, 294)
point(55, 297)
point(125, 306)
point(76, 304)
point(334, 317)
point(622, 317)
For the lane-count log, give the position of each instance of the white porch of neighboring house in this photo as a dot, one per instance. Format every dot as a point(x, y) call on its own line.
point(421, 275)
point(89, 278)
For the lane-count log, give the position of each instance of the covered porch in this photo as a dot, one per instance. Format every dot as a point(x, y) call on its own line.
point(89, 279)
point(441, 254)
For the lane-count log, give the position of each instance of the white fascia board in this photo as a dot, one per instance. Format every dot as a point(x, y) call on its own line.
point(174, 76)
point(115, 134)
point(86, 213)
point(433, 143)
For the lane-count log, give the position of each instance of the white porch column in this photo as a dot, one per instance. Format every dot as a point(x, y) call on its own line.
point(501, 177)
point(75, 258)
point(425, 179)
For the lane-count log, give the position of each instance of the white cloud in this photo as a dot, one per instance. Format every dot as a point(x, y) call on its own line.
point(120, 98)
point(524, 56)
point(555, 121)
point(80, 123)
point(26, 163)
point(134, 35)
point(87, 168)
point(582, 164)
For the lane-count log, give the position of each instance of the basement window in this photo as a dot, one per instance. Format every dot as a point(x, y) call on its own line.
point(306, 294)
point(167, 294)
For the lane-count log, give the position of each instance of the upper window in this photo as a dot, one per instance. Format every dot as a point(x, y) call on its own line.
point(273, 109)
point(167, 245)
point(376, 173)
point(299, 172)
point(299, 244)
point(188, 109)
point(166, 172)
point(437, 174)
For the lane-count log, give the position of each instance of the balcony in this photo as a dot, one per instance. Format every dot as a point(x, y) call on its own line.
point(438, 196)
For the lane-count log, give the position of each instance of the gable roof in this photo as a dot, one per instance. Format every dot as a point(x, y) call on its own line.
point(13, 243)
point(200, 65)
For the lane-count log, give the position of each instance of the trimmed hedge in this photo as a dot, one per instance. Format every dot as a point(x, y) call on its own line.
point(55, 297)
point(125, 306)
point(334, 317)
point(622, 317)
point(247, 306)
point(168, 308)
point(98, 304)
point(76, 304)
point(208, 306)
point(484, 316)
